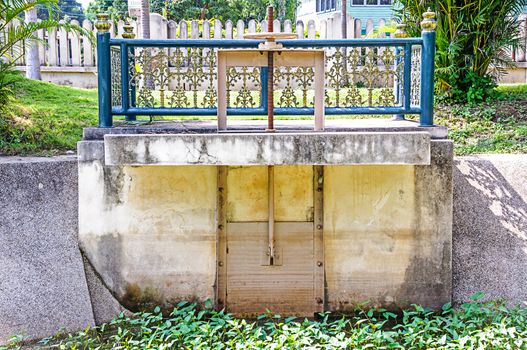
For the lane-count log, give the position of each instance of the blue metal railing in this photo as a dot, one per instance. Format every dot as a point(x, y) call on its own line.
point(129, 108)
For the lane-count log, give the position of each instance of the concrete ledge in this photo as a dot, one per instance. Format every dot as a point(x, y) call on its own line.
point(269, 149)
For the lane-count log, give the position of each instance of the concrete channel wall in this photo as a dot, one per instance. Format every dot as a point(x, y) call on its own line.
point(46, 284)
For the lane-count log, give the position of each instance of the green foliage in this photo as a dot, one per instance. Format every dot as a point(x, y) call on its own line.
point(495, 126)
point(474, 42)
point(223, 10)
point(65, 9)
point(117, 9)
point(474, 325)
point(48, 119)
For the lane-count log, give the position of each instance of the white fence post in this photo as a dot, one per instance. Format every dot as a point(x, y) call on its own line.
point(88, 58)
point(311, 31)
point(300, 29)
point(228, 29)
point(252, 26)
point(75, 42)
point(217, 29)
point(240, 29)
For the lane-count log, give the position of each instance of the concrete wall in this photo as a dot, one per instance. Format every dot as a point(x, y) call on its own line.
point(44, 288)
point(150, 231)
point(80, 77)
point(490, 227)
point(387, 233)
point(42, 281)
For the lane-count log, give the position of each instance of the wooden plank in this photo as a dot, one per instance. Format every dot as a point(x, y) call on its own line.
point(222, 91)
point(319, 91)
point(297, 58)
point(286, 289)
point(318, 239)
point(243, 57)
point(221, 241)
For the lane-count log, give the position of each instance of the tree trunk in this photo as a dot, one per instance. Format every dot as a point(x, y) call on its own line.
point(32, 57)
point(344, 19)
point(344, 33)
point(145, 19)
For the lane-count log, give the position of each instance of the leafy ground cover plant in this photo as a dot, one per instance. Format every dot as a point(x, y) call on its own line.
point(474, 325)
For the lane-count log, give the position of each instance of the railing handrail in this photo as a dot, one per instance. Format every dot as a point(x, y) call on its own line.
point(367, 42)
point(403, 55)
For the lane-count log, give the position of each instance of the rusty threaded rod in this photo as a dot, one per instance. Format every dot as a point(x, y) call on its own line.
point(270, 78)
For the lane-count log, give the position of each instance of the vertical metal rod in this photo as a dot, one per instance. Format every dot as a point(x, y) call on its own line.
point(270, 205)
point(264, 72)
point(427, 78)
point(132, 117)
point(407, 76)
point(270, 78)
point(104, 79)
point(125, 78)
point(398, 90)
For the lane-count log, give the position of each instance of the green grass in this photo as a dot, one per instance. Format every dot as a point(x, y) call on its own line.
point(44, 118)
point(474, 325)
point(47, 119)
point(497, 126)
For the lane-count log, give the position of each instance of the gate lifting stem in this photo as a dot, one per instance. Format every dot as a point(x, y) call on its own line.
point(270, 191)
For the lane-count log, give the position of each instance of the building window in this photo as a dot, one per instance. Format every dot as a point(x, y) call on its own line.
point(372, 2)
point(326, 5)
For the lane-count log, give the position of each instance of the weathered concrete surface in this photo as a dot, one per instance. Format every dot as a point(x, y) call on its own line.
point(490, 227)
point(42, 281)
point(339, 148)
point(105, 306)
point(247, 195)
point(436, 132)
point(387, 233)
point(150, 232)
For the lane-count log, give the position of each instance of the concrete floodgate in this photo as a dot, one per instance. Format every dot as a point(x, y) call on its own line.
point(294, 221)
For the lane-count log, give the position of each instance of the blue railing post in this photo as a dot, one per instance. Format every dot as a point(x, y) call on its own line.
point(264, 73)
point(127, 58)
point(103, 70)
point(428, 27)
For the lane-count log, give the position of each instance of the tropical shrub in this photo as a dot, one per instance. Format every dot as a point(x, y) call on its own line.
point(474, 42)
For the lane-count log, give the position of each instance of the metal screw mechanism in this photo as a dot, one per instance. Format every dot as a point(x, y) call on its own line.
point(102, 24)
point(220, 263)
point(319, 227)
point(270, 78)
point(429, 23)
point(128, 31)
point(319, 263)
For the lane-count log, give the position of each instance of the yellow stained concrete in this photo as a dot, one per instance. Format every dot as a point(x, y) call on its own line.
point(247, 193)
point(153, 228)
point(368, 232)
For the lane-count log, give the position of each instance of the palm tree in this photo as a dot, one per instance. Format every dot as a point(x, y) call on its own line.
point(32, 58)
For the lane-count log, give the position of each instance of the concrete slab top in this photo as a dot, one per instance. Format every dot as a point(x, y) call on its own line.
point(322, 148)
point(282, 126)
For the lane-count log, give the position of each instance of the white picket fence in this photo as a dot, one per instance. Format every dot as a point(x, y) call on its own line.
point(65, 49)
point(68, 58)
